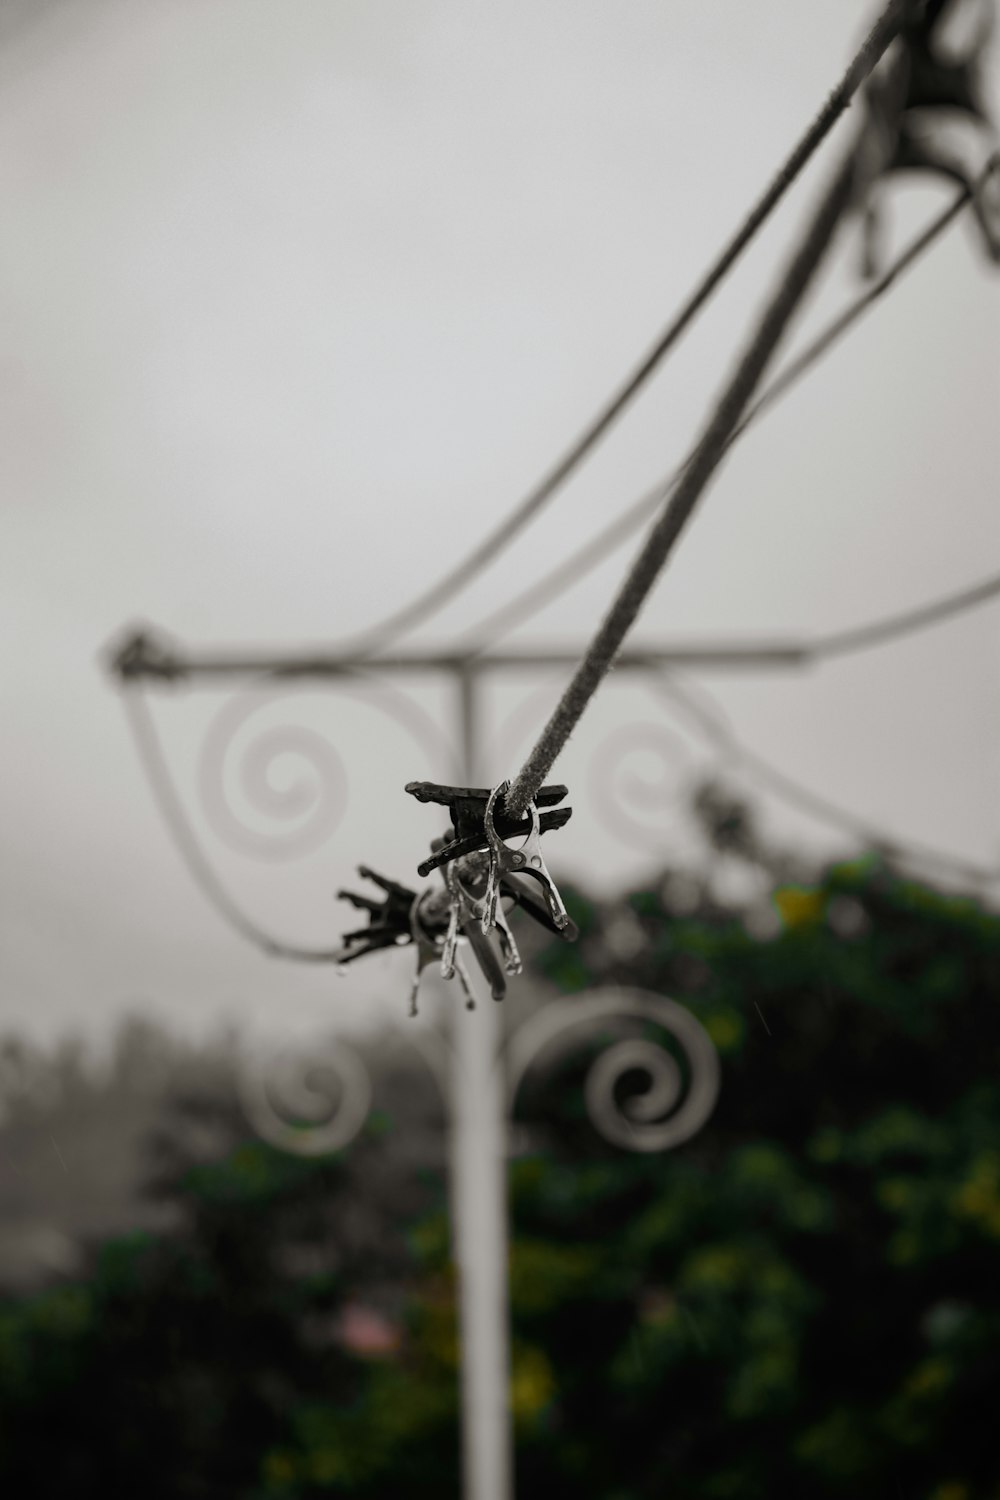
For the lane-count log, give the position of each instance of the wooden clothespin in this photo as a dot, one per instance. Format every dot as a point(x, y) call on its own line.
point(388, 920)
point(467, 808)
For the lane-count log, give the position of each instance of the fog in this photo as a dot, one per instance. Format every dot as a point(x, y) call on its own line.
point(297, 301)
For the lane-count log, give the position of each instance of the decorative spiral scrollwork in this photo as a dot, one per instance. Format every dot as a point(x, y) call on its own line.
point(311, 1104)
point(243, 766)
point(305, 1103)
point(639, 771)
point(309, 806)
point(676, 1101)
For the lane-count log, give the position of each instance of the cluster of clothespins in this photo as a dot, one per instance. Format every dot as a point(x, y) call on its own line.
point(474, 889)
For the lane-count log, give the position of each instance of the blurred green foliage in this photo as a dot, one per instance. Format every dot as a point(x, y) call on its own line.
point(802, 1300)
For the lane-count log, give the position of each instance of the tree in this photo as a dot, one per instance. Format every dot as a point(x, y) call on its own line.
point(802, 1299)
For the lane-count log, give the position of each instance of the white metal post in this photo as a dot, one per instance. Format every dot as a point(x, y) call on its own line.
point(478, 1083)
point(479, 1209)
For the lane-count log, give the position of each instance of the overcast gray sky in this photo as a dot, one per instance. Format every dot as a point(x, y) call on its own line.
point(297, 299)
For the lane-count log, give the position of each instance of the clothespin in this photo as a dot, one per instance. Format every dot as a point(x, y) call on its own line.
point(388, 920)
point(918, 93)
point(512, 887)
point(468, 834)
point(467, 808)
point(467, 912)
point(527, 860)
point(395, 922)
point(462, 924)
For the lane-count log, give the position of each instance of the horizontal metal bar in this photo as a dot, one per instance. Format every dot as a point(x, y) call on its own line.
point(145, 657)
point(192, 665)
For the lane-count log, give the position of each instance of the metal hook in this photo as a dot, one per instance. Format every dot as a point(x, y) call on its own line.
point(527, 860)
point(428, 950)
point(431, 947)
point(461, 922)
point(475, 908)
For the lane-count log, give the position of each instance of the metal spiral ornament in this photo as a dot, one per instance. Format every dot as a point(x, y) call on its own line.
point(301, 814)
point(642, 771)
point(289, 777)
point(304, 1102)
point(676, 1101)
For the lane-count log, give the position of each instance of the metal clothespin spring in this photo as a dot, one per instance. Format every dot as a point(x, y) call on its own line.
point(463, 921)
point(527, 860)
point(472, 911)
point(430, 948)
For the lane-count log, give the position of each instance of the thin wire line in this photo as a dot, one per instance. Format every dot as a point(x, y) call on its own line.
point(863, 637)
point(530, 601)
point(154, 764)
point(458, 577)
point(718, 732)
point(702, 465)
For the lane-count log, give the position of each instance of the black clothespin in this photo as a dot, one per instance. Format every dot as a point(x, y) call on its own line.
point(467, 807)
point(388, 920)
point(395, 922)
point(512, 887)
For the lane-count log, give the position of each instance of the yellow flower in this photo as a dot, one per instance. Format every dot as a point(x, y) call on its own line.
point(726, 1030)
point(979, 1196)
point(929, 1378)
point(531, 1382)
point(798, 907)
point(279, 1468)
